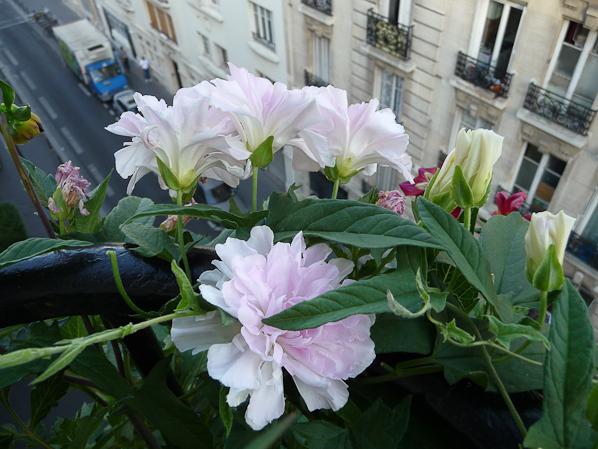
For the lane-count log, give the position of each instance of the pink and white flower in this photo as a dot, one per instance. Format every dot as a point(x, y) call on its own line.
point(188, 137)
point(73, 187)
point(260, 109)
point(393, 200)
point(356, 137)
point(256, 279)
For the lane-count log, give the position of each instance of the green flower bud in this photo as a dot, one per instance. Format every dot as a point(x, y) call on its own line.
point(24, 131)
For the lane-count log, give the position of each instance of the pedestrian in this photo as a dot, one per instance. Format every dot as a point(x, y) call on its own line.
point(124, 59)
point(145, 66)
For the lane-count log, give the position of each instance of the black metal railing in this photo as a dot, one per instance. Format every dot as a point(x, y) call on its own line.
point(558, 109)
point(483, 75)
point(393, 38)
point(314, 80)
point(264, 41)
point(324, 6)
point(584, 249)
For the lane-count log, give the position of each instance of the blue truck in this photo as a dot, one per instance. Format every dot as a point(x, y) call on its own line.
point(88, 53)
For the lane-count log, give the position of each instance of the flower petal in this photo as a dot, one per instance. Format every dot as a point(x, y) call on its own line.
point(200, 332)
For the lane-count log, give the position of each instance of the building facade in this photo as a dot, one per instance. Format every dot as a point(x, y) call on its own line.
point(528, 69)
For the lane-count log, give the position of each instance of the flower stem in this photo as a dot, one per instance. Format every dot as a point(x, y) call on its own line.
point(120, 287)
point(14, 154)
point(467, 218)
point(543, 309)
point(335, 187)
point(27, 431)
point(180, 235)
point(254, 178)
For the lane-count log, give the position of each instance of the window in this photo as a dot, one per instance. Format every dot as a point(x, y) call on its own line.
point(390, 92)
point(222, 56)
point(539, 176)
point(590, 230)
point(321, 52)
point(576, 70)
point(263, 25)
point(205, 45)
point(397, 11)
point(498, 35)
point(468, 121)
point(161, 21)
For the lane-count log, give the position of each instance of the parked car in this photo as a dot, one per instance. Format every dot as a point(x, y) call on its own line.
point(123, 101)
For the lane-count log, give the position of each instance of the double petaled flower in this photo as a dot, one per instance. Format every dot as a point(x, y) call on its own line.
point(256, 279)
point(71, 190)
point(180, 143)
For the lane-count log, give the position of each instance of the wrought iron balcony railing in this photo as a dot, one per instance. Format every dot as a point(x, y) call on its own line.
point(558, 109)
point(314, 80)
point(584, 249)
point(324, 6)
point(483, 75)
point(393, 38)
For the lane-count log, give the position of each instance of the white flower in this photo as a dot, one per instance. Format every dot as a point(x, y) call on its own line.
point(188, 138)
point(353, 139)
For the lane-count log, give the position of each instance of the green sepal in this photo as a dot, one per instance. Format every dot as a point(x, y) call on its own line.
point(167, 176)
point(263, 154)
point(21, 113)
point(461, 190)
point(189, 299)
point(451, 332)
point(549, 276)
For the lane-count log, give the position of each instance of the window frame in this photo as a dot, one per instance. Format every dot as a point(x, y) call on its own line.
point(580, 64)
point(263, 28)
point(479, 24)
point(379, 85)
point(161, 21)
point(206, 47)
point(222, 56)
point(405, 8)
point(318, 58)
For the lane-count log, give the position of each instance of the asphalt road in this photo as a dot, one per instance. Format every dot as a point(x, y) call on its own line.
point(74, 119)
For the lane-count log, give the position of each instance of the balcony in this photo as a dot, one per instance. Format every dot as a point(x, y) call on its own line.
point(482, 74)
point(390, 37)
point(313, 80)
point(558, 109)
point(324, 6)
point(584, 249)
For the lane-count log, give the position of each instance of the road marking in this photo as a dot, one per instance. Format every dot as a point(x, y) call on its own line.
point(10, 24)
point(71, 139)
point(10, 56)
point(99, 178)
point(27, 80)
point(105, 105)
point(84, 89)
point(46, 105)
point(111, 112)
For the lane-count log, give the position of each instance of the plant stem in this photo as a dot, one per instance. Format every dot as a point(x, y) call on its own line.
point(543, 309)
point(180, 235)
point(467, 218)
point(27, 431)
point(119, 284)
point(335, 187)
point(14, 154)
point(254, 178)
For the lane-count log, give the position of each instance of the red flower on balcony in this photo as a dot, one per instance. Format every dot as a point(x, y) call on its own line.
point(420, 182)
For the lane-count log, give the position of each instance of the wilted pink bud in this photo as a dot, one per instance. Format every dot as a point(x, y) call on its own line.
point(170, 223)
point(392, 200)
point(420, 182)
point(73, 186)
point(509, 203)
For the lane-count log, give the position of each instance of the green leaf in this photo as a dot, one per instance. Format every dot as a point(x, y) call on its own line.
point(35, 246)
point(44, 184)
point(361, 297)
point(320, 434)
point(503, 243)
point(262, 155)
point(150, 241)
point(44, 397)
point(393, 334)
point(124, 210)
point(88, 224)
point(8, 94)
point(450, 331)
point(178, 423)
point(461, 190)
point(189, 299)
point(567, 374)
point(60, 363)
point(266, 438)
point(6, 438)
point(92, 364)
point(506, 333)
point(225, 412)
point(343, 221)
point(12, 229)
point(592, 410)
point(382, 427)
point(461, 247)
point(206, 212)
